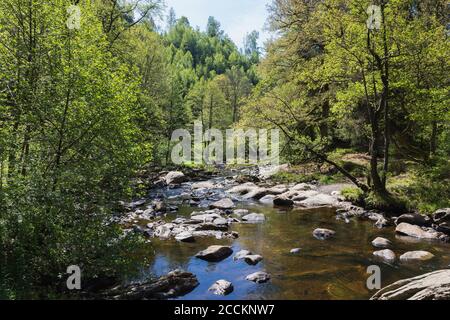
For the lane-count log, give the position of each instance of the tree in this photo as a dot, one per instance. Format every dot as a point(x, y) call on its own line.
point(171, 19)
point(213, 28)
point(251, 49)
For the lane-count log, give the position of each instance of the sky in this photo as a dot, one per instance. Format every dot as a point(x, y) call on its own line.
point(237, 17)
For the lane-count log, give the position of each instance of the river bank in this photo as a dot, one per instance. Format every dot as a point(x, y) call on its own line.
point(306, 240)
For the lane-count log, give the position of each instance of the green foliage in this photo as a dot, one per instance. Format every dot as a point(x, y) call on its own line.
point(354, 195)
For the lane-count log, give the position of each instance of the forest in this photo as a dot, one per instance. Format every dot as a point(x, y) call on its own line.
point(87, 110)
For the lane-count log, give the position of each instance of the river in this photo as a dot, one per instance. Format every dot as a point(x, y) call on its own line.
point(326, 270)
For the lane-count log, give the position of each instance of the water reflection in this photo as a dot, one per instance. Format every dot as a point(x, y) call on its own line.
point(332, 269)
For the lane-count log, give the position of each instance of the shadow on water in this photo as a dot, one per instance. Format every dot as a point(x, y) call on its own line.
point(331, 269)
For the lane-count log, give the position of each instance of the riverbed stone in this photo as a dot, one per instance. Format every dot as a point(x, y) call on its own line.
point(243, 188)
point(386, 254)
point(225, 203)
point(220, 221)
point(240, 212)
point(416, 256)
point(323, 234)
point(164, 231)
point(295, 251)
point(380, 242)
point(215, 253)
point(185, 236)
point(303, 187)
point(415, 231)
point(255, 193)
point(221, 287)
point(242, 254)
point(175, 284)
point(253, 259)
point(319, 200)
point(430, 286)
point(283, 201)
point(278, 189)
point(175, 177)
point(258, 277)
point(206, 217)
point(441, 216)
point(414, 219)
point(303, 195)
point(254, 218)
point(202, 185)
point(267, 199)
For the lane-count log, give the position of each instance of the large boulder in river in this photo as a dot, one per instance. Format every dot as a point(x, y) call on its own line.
point(175, 284)
point(414, 219)
point(319, 200)
point(175, 177)
point(215, 253)
point(415, 231)
point(323, 234)
point(431, 286)
point(441, 220)
point(441, 216)
point(223, 204)
point(413, 256)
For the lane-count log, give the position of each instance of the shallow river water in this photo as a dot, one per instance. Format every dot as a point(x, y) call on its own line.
point(331, 269)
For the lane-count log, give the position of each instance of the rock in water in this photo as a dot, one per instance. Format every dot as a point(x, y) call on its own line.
point(414, 219)
point(387, 255)
point(430, 286)
point(415, 231)
point(295, 251)
point(323, 234)
point(222, 287)
point(202, 185)
point(254, 217)
point(215, 253)
point(416, 256)
point(258, 277)
point(267, 199)
point(185, 236)
point(242, 254)
point(223, 204)
point(240, 212)
point(283, 201)
point(442, 215)
point(381, 242)
point(174, 284)
point(253, 259)
point(175, 177)
point(319, 201)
